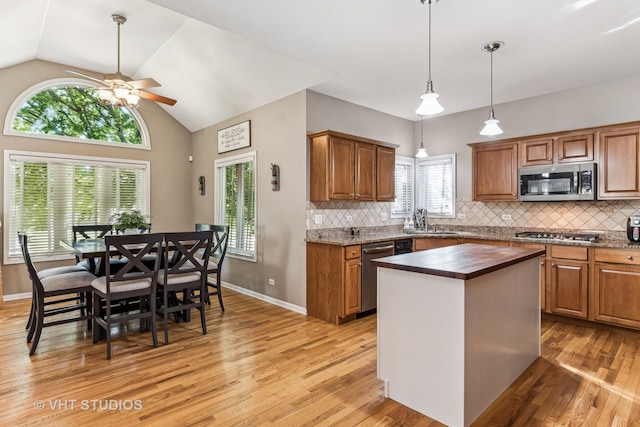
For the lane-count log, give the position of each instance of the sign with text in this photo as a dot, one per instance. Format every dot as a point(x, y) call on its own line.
point(234, 137)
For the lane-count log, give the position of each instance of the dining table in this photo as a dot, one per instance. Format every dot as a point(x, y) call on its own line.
point(94, 250)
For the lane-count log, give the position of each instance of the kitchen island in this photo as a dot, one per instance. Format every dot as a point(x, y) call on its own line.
point(456, 326)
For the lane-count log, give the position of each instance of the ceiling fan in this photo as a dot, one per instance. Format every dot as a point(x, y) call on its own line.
point(120, 90)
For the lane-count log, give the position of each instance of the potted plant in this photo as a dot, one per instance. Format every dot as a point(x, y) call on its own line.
point(130, 221)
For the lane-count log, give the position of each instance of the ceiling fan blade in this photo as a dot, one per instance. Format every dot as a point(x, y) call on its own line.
point(158, 98)
point(143, 83)
point(86, 76)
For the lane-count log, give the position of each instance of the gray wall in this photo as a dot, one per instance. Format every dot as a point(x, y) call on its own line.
point(278, 135)
point(608, 103)
point(171, 207)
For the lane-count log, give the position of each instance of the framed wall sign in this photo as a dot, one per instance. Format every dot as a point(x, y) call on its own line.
point(234, 137)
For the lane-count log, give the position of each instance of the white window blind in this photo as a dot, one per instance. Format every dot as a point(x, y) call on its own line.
point(236, 203)
point(45, 194)
point(403, 203)
point(436, 185)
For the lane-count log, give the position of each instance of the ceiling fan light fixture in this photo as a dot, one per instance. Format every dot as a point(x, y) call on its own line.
point(429, 104)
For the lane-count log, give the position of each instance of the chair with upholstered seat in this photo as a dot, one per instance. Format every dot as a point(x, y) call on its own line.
point(134, 280)
point(186, 257)
point(55, 294)
point(218, 252)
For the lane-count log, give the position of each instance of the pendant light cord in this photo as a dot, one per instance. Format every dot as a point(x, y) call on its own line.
point(491, 84)
point(119, 25)
point(429, 39)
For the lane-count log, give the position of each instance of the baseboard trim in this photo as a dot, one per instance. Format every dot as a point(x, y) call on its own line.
point(240, 290)
point(265, 298)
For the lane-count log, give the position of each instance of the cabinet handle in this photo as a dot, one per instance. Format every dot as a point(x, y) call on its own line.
point(629, 257)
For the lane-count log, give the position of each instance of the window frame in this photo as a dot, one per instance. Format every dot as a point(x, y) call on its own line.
point(39, 87)
point(410, 161)
point(145, 165)
point(218, 205)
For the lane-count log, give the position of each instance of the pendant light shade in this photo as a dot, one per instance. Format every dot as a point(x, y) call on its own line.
point(422, 153)
point(491, 125)
point(429, 104)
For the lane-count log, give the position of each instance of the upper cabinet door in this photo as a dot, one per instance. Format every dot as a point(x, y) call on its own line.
point(495, 172)
point(619, 163)
point(365, 173)
point(536, 152)
point(386, 184)
point(575, 148)
point(341, 169)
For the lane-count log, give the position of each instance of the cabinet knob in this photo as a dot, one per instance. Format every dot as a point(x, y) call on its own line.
point(553, 265)
point(353, 252)
point(629, 257)
point(541, 262)
point(559, 158)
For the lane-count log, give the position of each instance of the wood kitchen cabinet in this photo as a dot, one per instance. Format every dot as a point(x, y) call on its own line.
point(615, 292)
point(572, 148)
point(347, 167)
point(333, 282)
point(568, 279)
point(619, 163)
point(386, 179)
point(422, 244)
point(495, 171)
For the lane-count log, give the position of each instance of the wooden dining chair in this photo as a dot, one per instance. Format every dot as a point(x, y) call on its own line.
point(182, 281)
point(55, 292)
point(134, 280)
point(90, 231)
point(218, 252)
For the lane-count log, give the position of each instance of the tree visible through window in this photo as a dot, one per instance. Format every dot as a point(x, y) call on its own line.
point(76, 112)
point(236, 203)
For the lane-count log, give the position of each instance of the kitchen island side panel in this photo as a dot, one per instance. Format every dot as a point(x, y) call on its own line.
point(421, 342)
point(502, 332)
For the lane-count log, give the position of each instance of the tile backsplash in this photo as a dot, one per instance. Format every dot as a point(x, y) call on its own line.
point(599, 215)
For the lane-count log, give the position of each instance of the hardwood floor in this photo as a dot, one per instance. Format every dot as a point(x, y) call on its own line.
point(262, 365)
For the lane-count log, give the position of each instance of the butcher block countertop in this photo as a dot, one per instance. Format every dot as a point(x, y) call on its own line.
point(463, 262)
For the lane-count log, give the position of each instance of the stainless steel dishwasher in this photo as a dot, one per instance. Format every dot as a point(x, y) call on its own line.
point(369, 298)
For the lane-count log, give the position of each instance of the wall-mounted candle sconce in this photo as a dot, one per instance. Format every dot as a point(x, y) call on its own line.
point(201, 185)
point(275, 177)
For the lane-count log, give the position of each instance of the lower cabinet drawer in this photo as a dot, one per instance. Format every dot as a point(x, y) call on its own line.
point(617, 256)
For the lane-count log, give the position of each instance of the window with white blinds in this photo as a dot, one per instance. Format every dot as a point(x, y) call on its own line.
point(436, 186)
point(235, 199)
point(45, 194)
point(402, 206)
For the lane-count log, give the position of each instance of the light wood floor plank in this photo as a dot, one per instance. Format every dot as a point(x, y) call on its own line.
point(262, 365)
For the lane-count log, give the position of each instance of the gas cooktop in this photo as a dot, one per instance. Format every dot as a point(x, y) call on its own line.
point(558, 236)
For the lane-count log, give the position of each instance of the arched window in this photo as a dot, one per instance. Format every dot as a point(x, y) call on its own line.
point(69, 110)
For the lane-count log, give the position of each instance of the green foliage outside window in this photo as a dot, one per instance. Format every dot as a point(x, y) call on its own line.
point(76, 112)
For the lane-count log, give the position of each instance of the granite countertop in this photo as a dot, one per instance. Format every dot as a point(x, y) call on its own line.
point(459, 261)
point(343, 237)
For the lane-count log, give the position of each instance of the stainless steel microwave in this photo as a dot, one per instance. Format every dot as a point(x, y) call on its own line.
point(558, 182)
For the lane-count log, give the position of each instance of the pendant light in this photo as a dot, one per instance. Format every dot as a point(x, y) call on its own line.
point(491, 125)
point(430, 104)
point(422, 153)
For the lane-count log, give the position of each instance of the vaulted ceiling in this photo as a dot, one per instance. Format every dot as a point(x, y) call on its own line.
point(225, 57)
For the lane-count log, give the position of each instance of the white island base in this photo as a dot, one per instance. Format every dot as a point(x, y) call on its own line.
point(448, 347)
